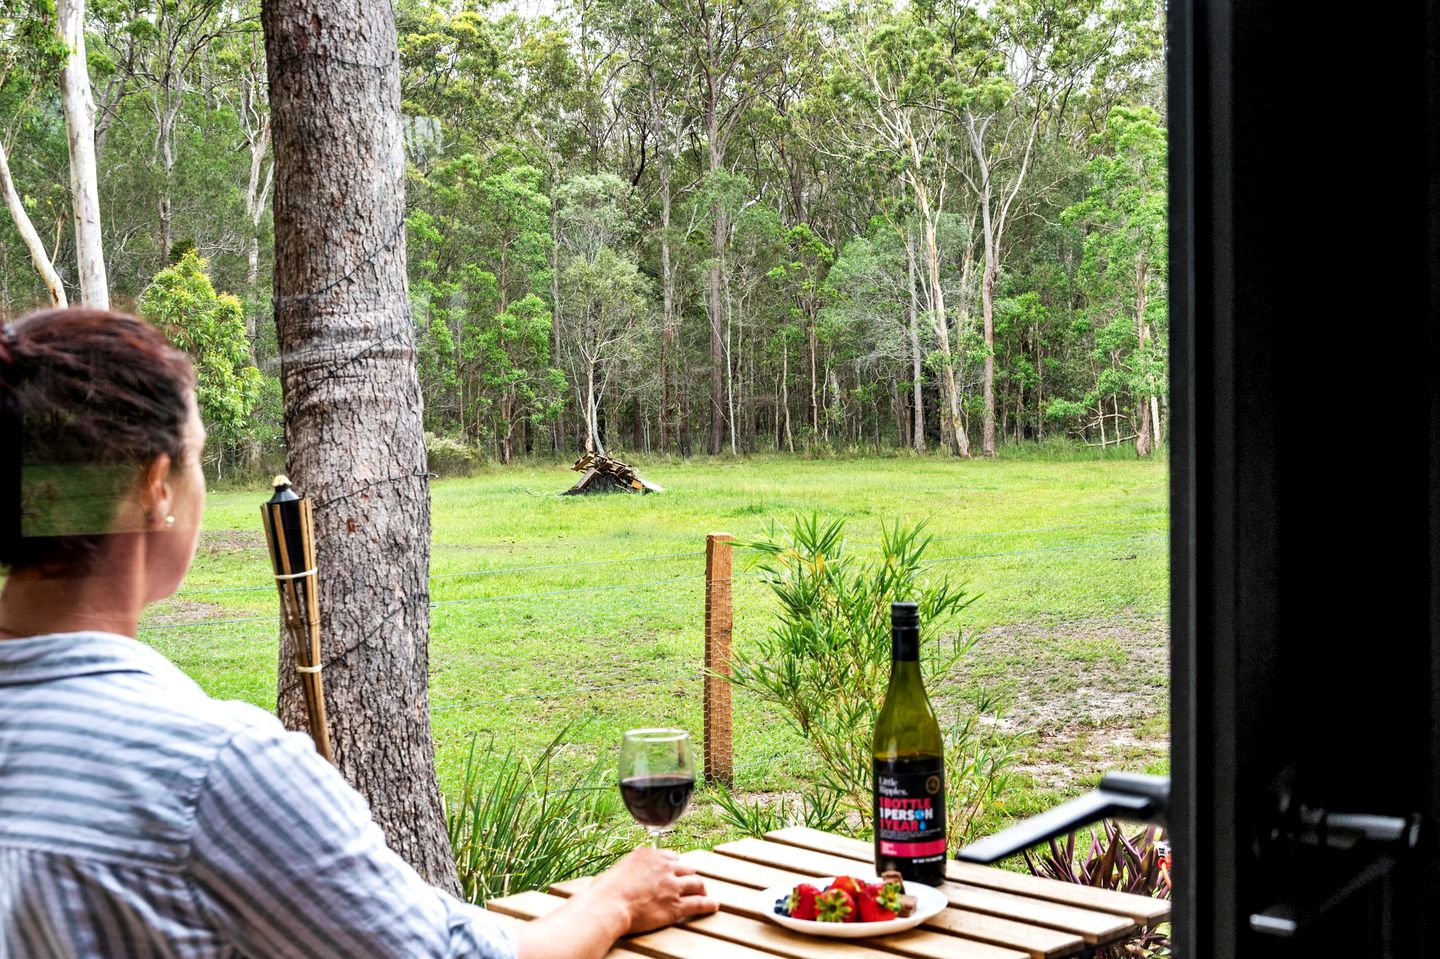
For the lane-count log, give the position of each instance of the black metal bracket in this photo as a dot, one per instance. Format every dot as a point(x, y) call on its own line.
point(1131, 796)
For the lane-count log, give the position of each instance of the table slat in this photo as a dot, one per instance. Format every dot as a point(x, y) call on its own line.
point(1095, 927)
point(743, 921)
point(1037, 941)
point(744, 872)
point(1143, 910)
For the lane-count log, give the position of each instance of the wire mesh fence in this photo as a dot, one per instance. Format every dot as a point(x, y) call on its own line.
point(523, 649)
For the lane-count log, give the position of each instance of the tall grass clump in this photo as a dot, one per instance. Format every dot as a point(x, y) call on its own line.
point(524, 824)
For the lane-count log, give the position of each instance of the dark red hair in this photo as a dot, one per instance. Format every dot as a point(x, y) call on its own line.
point(88, 398)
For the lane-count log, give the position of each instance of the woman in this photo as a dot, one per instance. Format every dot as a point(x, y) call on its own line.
point(140, 817)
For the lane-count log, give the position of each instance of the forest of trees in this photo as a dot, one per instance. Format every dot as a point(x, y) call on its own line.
point(679, 226)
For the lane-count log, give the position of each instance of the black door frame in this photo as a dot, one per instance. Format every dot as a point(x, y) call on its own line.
point(1246, 677)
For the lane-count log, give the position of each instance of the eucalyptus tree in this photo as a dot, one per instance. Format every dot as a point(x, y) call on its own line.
point(653, 97)
point(1012, 68)
point(872, 293)
point(354, 435)
point(513, 249)
point(890, 84)
point(78, 106)
point(238, 79)
point(735, 50)
point(1124, 269)
point(602, 291)
point(28, 51)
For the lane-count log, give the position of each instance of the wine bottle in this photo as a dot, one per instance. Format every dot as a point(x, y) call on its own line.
point(909, 764)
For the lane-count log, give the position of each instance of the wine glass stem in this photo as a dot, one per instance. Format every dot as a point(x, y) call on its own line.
point(655, 834)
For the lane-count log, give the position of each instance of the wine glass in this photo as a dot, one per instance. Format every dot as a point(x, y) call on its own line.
point(656, 777)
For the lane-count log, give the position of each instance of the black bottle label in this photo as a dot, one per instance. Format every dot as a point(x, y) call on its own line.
point(910, 817)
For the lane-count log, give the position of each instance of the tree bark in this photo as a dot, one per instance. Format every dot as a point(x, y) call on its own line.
point(785, 393)
point(917, 369)
point(79, 108)
point(1143, 444)
point(987, 307)
point(28, 234)
point(667, 327)
point(717, 305)
point(165, 118)
point(959, 439)
point(352, 403)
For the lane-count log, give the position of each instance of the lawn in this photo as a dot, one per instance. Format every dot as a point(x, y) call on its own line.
point(552, 611)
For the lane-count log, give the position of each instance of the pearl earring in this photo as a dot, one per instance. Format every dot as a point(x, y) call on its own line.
point(169, 522)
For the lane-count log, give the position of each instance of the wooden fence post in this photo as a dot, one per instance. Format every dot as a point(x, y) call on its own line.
point(719, 621)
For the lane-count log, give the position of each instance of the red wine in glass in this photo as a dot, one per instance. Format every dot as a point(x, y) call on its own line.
point(656, 777)
point(657, 801)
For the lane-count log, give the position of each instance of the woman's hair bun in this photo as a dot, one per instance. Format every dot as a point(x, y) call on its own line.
point(87, 397)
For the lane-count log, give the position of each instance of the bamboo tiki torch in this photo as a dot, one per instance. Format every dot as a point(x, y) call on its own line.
point(290, 530)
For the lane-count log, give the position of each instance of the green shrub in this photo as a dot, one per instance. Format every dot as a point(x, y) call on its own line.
point(523, 824)
point(826, 662)
point(447, 456)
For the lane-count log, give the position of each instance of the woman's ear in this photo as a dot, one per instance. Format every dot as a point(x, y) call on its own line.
point(156, 496)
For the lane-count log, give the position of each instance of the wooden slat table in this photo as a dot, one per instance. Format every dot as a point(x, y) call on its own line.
point(993, 914)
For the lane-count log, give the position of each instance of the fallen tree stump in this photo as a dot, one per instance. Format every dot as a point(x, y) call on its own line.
point(602, 474)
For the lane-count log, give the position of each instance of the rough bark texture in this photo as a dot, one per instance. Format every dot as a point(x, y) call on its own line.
point(917, 371)
point(33, 244)
point(1143, 442)
point(667, 325)
point(352, 402)
point(79, 108)
point(951, 423)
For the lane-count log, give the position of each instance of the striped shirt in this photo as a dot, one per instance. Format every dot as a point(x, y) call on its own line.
point(141, 818)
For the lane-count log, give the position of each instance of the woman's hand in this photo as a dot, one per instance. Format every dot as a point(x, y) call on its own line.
point(653, 888)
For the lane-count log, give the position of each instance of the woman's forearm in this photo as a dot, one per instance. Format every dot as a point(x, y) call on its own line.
point(584, 928)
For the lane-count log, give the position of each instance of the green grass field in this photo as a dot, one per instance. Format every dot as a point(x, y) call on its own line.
point(589, 610)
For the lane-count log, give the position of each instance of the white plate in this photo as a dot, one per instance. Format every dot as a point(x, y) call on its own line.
point(929, 902)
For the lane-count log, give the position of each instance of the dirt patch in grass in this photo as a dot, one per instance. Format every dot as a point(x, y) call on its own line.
point(1095, 694)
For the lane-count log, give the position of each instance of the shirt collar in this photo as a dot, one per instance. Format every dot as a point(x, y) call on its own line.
point(39, 659)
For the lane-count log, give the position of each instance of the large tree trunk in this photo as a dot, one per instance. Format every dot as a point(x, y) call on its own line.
point(987, 306)
point(1143, 444)
point(667, 327)
point(28, 234)
point(257, 194)
point(593, 443)
point(917, 370)
point(79, 109)
point(785, 393)
point(352, 403)
point(165, 117)
point(717, 345)
point(959, 439)
point(717, 306)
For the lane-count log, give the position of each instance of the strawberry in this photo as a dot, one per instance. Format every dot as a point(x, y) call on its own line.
point(889, 894)
point(835, 905)
point(871, 909)
point(849, 883)
point(802, 901)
